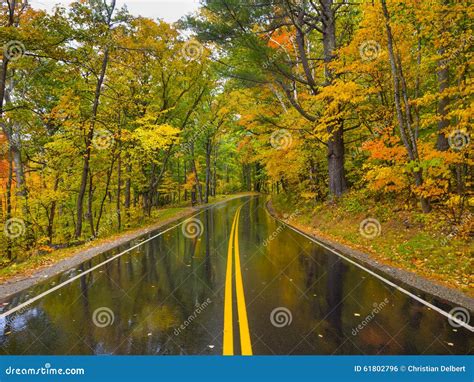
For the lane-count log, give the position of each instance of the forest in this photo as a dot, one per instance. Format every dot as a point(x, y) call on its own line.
point(338, 110)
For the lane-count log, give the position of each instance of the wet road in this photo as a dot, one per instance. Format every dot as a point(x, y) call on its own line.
point(231, 280)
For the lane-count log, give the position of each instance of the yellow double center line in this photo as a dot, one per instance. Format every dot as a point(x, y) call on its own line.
point(245, 343)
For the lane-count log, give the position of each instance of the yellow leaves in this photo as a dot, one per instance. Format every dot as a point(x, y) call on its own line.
point(384, 178)
point(308, 195)
point(339, 101)
point(342, 92)
point(68, 107)
point(453, 201)
point(152, 138)
point(432, 188)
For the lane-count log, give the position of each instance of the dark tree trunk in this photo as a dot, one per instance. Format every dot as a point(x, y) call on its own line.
point(52, 214)
point(196, 175)
point(443, 83)
point(90, 200)
point(214, 174)
point(128, 185)
point(9, 200)
point(88, 144)
point(119, 182)
point(337, 180)
point(107, 185)
point(337, 175)
point(406, 133)
point(208, 170)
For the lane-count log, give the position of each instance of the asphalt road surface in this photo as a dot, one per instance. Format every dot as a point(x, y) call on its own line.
point(231, 280)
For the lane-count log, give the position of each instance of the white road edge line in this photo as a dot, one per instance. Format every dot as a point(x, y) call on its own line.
point(439, 310)
point(36, 298)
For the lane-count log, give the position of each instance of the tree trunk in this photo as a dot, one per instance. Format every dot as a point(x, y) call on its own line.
point(9, 201)
point(52, 214)
point(88, 143)
point(407, 137)
point(337, 175)
point(214, 174)
point(337, 179)
point(119, 180)
point(128, 185)
point(90, 215)
point(208, 170)
point(442, 143)
point(196, 175)
point(107, 185)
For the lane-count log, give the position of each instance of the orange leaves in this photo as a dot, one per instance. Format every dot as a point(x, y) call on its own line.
point(281, 39)
point(387, 148)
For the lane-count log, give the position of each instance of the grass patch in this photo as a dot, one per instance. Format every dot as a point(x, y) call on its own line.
point(408, 239)
point(36, 260)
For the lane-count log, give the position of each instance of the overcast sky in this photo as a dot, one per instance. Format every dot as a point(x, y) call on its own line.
point(168, 10)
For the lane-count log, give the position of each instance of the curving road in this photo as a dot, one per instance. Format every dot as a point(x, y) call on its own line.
point(231, 280)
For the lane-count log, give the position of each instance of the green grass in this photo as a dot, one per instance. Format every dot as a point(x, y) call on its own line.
point(35, 260)
point(408, 240)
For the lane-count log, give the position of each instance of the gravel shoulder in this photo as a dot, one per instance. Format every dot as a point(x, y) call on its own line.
point(402, 277)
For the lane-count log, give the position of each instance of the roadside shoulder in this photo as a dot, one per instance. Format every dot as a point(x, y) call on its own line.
point(403, 277)
point(21, 282)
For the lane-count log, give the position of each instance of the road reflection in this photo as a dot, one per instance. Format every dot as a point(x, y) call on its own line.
point(152, 291)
